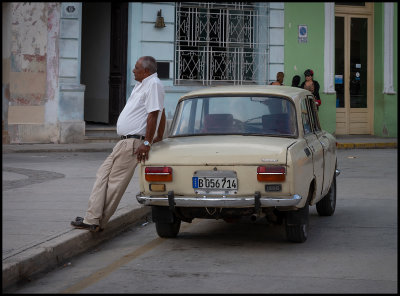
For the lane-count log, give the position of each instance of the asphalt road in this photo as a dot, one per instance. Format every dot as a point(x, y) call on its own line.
point(354, 251)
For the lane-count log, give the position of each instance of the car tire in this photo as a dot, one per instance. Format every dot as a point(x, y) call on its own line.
point(168, 230)
point(296, 224)
point(326, 206)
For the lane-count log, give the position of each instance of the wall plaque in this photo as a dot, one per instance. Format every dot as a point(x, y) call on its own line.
point(70, 10)
point(303, 34)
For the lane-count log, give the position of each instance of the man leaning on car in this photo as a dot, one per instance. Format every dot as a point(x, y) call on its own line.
point(137, 125)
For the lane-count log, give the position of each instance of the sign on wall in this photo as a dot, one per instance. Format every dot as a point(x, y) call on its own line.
point(69, 10)
point(303, 34)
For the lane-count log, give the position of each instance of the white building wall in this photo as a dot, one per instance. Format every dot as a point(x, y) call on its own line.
point(276, 40)
point(145, 39)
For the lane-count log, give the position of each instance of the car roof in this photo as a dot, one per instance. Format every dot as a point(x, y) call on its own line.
point(287, 91)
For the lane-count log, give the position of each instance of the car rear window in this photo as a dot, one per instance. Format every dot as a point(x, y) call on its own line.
point(244, 115)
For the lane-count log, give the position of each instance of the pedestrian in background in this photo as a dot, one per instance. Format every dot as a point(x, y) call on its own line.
point(311, 85)
point(279, 79)
point(137, 124)
point(296, 81)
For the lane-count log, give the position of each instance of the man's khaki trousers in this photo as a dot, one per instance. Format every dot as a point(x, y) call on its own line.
point(112, 179)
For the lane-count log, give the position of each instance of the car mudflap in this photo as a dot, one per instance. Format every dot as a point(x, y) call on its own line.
point(162, 214)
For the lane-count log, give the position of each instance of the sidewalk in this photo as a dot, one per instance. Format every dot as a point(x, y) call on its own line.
point(42, 193)
point(40, 198)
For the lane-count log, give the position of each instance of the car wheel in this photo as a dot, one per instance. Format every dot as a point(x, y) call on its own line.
point(168, 230)
point(326, 206)
point(296, 225)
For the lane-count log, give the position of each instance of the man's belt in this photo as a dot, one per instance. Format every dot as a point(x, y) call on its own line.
point(133, 136)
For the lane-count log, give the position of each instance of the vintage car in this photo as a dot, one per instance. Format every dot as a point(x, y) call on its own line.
point(242, 152)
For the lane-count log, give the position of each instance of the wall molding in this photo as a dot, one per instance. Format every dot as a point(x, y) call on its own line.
point(388, 49)
point(329, 49)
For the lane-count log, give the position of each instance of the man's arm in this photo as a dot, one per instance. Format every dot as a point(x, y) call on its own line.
point(161, 128)
point(150, 130)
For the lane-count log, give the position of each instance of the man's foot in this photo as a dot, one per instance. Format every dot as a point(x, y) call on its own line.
point(78, 223)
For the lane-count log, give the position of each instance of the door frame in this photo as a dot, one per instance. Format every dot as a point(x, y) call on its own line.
point(349, 12)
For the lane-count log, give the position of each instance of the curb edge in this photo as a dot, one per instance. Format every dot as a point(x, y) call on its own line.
point(51, 254)
point(366, 145)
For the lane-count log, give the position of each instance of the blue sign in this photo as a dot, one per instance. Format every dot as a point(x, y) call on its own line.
point(338, 79)
point(303, 34)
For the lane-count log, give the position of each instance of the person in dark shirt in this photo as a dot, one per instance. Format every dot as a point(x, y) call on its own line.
point(311, 85)
point(296, 81)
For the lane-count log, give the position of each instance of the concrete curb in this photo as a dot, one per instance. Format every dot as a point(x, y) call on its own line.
point(55, 251)
point(34, 148)
point(60, 150)
point(366, 145)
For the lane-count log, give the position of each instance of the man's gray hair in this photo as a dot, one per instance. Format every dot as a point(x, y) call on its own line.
point(149, 63)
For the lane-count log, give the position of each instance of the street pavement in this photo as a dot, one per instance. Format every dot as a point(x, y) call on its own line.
point(41, 198)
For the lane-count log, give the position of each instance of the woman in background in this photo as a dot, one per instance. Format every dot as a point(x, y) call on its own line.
point(312, 86)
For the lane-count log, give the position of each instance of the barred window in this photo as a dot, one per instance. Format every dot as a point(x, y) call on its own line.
point(221, 42)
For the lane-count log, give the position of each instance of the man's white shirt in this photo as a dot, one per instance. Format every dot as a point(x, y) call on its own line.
point(147, 96)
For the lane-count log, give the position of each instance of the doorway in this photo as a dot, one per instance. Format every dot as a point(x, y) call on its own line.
point(104, 60)
point(353, 71)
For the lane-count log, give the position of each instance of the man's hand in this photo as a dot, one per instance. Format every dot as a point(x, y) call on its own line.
point(142, 153)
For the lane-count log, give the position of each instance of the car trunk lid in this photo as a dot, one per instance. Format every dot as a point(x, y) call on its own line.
point(220, 150)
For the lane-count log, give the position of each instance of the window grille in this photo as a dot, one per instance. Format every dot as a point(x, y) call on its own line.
point(221, 42)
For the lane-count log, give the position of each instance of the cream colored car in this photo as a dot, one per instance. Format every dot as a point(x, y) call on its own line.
point(231, 152)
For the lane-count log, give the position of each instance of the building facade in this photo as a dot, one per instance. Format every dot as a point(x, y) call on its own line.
point(69, 64)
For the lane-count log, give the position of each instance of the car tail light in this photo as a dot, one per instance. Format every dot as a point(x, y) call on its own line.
point(158, 174)
point(271, 173)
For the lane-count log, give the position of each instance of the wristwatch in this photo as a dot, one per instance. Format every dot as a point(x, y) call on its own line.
point(146, 143)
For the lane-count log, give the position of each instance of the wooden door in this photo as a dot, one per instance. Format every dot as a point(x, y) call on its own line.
point(118, 59)
point(353, 73)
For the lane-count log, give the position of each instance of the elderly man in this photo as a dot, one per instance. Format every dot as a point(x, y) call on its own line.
point(137, 125)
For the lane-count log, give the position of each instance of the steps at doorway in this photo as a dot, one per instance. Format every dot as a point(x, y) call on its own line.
point(100, 133)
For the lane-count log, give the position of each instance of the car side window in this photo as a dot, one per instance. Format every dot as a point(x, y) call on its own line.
point(312, 110)
point(184, 126)
point(315, 115)
point(305, 117)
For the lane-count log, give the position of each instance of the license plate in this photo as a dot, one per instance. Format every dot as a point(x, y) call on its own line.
point(221, 183)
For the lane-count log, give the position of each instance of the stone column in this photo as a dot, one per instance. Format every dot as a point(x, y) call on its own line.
point(71, 102)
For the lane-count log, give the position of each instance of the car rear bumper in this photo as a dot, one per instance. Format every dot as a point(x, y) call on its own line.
point(219, 201)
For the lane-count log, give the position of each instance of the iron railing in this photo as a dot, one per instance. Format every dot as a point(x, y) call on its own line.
point(221, 42)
